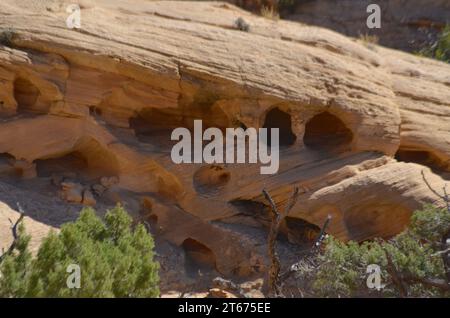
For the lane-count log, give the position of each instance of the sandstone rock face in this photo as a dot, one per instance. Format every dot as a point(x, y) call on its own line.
point(96, 107)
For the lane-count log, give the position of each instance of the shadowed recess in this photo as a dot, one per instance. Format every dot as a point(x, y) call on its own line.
point(198, 256)
point(26, 95)
point(277, 118)
point(300, 231)
point(326, 132)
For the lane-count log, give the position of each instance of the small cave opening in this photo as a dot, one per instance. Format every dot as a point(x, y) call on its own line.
point(71, 164)
point(26, 95)
point(87, 163)
point(211, 179)
point(198, 256)
point(150, 120)
point(326, 132)
point(277, 118)
point(7, 168)
point(95, 111)
point(253, 209)
point(6, 158)
point(154, 126)
point(300, 231)
point(422, 157)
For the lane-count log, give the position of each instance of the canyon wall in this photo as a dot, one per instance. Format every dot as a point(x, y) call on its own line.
point(86, 117)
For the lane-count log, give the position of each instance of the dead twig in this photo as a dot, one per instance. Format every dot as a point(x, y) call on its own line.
point(317, 243)
point(14, 233)
point(446, 198)
point(443, 197)
point(277, 218)
point(430, 282)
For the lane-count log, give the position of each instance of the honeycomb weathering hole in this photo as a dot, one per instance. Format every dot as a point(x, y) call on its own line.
point(74, 162)
point(326, 132)
point(90, 163)
point(198, 256)
point(7, 166)
point(424, 158)
point(277, 118)
point(300, 231)
point(255, 209)
point(150, 120)
point(26, 95)
point(153, 125)
point(211, 179)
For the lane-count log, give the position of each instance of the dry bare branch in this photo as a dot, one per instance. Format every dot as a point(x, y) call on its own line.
point(443, 197)
point(276, 219)
point(14, 233)
point(296, 266)
point(430, 282)
point(446, 198)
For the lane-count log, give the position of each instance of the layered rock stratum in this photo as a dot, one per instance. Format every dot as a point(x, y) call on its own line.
point(86, 116)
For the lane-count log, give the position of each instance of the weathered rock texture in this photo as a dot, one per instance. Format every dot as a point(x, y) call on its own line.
point(89, 112)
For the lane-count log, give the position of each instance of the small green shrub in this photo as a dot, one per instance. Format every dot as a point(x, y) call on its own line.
point(114, 260)
point(342, 267)
point(439, 50)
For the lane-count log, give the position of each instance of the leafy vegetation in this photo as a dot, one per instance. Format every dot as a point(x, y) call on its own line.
point(114, 260)
point(439, 50)
point(411, 263)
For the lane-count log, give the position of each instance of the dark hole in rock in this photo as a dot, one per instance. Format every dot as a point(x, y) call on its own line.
point(198, 256)
point(277, 118)
point(424, 158)
point(95, 111)
point(7, 166)
point(254, 209)
point(89, 163)
point(326, 132)
point(155, 126)
point(26, 95)
point(74, 164)
point(300, 231)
